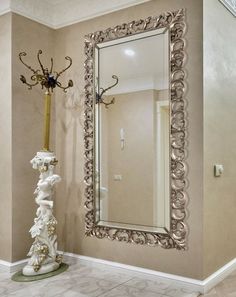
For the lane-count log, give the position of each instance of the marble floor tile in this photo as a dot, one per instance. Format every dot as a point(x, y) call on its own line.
point(212, 293)
point(177, 290)
point(166, 288)
point(150, 285)
point(7, 286)
point(71, 293)
point(92, 287)
point(82, 286)
point(107, 273)
point(126, 291)
point(4, 275)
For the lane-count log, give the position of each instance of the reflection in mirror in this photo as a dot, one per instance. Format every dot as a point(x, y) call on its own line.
point(132, 132)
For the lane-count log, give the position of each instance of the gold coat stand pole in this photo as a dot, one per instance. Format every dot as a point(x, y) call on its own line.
point(47, 118)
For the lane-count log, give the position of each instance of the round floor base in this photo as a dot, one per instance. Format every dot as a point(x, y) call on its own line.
point(19, 277)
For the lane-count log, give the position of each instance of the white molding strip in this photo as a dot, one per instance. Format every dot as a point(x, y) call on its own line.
point(33, 18)
point(61, 14)
point(218, 276)
point(195, 285)
point(2, 12)
point(190, 283)
point(12, 267)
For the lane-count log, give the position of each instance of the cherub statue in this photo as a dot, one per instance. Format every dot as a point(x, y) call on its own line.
point(43, 252)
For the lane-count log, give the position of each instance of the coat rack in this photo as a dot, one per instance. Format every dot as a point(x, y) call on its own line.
point(43, 254)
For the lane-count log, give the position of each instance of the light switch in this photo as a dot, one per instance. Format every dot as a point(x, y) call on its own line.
point(218, 170)
point(118, 177)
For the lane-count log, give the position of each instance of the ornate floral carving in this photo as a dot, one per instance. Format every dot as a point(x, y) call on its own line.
point(176, 236)
point(43, 252)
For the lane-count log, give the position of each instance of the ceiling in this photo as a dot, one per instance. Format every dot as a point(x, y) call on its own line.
point(60, 13)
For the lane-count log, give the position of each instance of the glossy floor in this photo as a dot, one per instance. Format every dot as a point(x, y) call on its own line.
point(86, 279)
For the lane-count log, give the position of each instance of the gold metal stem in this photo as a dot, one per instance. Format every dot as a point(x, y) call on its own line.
point(47, 116)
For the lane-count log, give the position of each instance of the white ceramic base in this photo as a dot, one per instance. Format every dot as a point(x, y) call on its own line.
point(29, 271)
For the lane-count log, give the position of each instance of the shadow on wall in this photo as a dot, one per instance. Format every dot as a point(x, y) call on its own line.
point(69, 111)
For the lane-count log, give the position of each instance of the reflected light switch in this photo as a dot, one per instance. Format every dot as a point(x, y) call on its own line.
point(218, 170)
point(118, 177)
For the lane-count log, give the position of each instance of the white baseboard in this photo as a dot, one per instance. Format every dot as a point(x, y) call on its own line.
point(193, 284)
point(218, 276)
point(12, 267)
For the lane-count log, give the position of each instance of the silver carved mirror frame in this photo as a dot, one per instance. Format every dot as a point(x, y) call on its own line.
point(176, 236)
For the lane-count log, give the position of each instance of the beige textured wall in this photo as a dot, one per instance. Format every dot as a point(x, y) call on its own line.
point(69, 147)
point(219, 135)
point(5, 138)
point(27, 121)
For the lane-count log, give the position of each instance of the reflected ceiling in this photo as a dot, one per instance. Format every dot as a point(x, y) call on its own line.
point(134, 62)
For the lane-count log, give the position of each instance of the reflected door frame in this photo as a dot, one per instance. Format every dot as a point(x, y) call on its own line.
point(161, 176)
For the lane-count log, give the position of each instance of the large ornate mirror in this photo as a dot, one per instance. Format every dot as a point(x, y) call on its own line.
point(135, 132)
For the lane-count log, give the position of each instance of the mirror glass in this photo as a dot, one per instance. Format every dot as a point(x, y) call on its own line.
point(132, 127)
